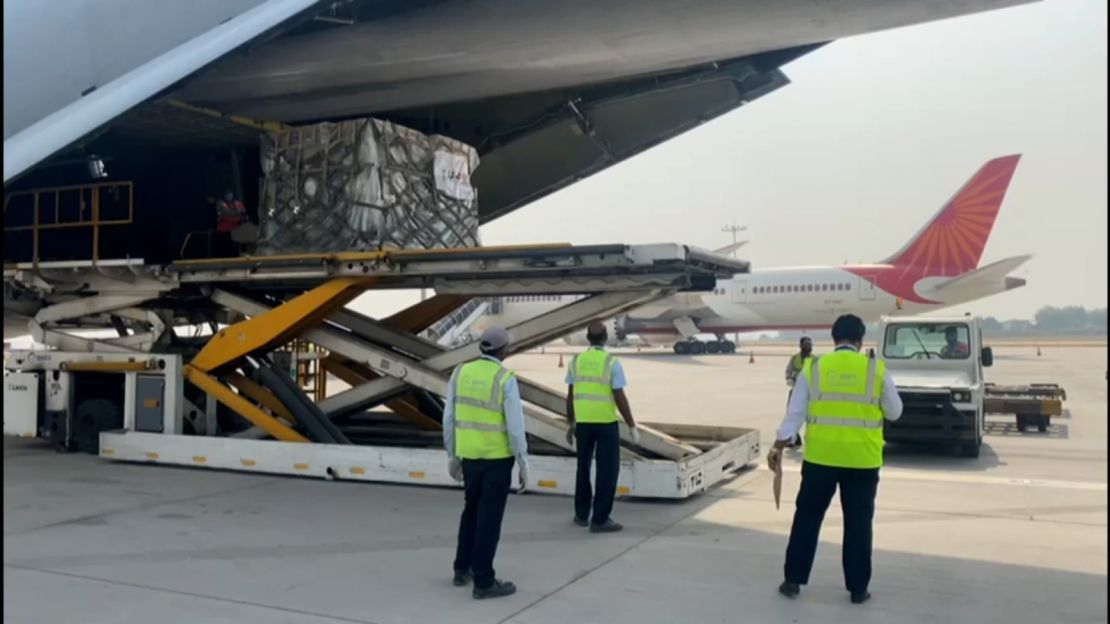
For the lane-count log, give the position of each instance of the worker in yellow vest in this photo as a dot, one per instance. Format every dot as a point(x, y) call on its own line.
point(842, 398)
point(483, 433)
point(595, 392)
point(793, 369)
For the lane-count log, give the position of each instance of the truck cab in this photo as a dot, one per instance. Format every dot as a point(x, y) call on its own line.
point(937, 364)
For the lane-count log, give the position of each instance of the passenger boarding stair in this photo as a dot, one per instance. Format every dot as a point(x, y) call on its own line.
point(454, 328)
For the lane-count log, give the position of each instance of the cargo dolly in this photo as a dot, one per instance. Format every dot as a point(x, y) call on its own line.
point(1033, 405)
point(220, 400)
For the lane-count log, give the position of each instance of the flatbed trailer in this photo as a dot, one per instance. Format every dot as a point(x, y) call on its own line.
point(1032, 405)
point(219, 401)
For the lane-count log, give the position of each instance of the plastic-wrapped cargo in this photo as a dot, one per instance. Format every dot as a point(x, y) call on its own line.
point(365, 184)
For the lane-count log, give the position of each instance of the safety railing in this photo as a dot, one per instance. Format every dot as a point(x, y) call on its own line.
point(90, 206)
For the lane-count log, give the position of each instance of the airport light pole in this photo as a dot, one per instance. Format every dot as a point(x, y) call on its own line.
point(734, 229)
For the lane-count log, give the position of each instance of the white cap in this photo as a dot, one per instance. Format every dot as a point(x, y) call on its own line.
point(494, 338)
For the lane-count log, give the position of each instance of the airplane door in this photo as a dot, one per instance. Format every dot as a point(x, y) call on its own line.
point(867, 288)
point(740, 291)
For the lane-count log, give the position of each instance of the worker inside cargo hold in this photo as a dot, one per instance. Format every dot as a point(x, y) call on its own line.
point(230, 214)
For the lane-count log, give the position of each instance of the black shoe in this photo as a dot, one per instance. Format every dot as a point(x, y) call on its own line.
point(790, 590)
point(499, 589)
point(860, 597)
point(462, 578)
point(606, 527)
point(580, 522)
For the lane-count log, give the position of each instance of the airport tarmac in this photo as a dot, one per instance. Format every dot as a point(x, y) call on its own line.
point(1017, 535)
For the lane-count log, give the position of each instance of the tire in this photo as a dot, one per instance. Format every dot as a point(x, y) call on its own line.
point(92, 417)
point(682, 348)
point(728, 347)
point(970, 450)
point(713, 347)
point(697, 348)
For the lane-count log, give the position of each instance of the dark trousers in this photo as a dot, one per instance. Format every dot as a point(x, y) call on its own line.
point(857, 500)
point(605, 441)
point(486, 484)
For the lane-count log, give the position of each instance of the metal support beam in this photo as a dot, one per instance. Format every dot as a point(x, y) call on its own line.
point(278, 325)
point(432, 374)
point(241, 406)
point(66, 342)
point(525, 335)
point(88, 306)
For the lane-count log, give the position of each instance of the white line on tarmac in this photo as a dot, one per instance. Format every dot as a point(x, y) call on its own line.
point(948, 477)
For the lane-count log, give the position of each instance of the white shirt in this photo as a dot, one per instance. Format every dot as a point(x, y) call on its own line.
point(514, 417)
point(889, 402)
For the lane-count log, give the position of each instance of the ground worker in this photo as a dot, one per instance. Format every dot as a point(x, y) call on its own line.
point(793, 369)
point(595, 391)
point(483, 433)
point(842, 397)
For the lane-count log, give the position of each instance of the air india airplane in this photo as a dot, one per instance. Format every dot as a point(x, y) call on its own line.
point(937, 268)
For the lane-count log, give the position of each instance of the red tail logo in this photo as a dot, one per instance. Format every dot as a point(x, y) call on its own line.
point(952, 243)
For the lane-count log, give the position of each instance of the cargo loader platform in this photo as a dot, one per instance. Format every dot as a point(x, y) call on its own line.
point(223, 401)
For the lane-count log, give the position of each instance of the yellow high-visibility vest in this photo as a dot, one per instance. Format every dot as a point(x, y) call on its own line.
point(592, 373)
point(480, 430)
point(844, 423)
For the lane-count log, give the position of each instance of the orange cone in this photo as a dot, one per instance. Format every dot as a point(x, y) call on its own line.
point(751, 357)
point(560, 360)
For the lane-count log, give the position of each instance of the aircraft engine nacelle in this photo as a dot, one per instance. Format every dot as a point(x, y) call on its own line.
point(614, 327)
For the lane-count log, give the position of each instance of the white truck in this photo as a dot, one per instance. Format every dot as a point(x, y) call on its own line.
point(937, 364)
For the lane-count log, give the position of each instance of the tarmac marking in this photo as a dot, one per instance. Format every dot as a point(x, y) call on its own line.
point(1089, 486)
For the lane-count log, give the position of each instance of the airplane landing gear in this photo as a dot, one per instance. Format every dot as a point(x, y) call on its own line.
point(696, 347)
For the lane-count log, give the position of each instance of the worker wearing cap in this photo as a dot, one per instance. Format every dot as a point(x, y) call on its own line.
point(842, 398)
point(794, 368)
point(483, 432)
point(595, 392)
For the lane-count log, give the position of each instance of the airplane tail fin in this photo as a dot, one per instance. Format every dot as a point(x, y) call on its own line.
point(952, 242)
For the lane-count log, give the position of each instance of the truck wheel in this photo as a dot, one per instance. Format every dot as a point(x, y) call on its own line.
point(970, 450)
point(94, 416)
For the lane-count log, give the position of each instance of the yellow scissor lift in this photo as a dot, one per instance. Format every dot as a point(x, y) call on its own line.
point(279, 302)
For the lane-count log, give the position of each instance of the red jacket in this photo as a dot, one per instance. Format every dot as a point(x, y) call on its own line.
point(229, 215)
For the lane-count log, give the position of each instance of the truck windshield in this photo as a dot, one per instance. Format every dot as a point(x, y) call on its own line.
point(946, 341)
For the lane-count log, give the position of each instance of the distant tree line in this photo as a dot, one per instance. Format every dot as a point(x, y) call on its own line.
point(1049, 321)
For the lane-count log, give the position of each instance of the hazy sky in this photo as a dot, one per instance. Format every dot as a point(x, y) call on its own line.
point(873, 135)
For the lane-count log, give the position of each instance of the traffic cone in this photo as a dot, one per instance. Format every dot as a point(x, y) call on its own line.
point(751, 357)
point(560, 360)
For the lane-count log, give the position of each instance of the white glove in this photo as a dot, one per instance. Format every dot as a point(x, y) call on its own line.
point(454, 468)
point(635, 433)
point(523, 477)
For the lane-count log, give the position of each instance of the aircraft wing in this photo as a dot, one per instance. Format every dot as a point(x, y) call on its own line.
point(983, 278)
